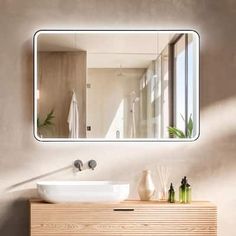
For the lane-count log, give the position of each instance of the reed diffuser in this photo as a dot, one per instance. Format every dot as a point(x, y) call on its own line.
point(163, 174)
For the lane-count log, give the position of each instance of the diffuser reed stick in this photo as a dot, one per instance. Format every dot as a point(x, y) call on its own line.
point(163, 174)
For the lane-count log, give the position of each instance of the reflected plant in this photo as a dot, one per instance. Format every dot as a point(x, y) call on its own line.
point(46, 123)
point(175, 132)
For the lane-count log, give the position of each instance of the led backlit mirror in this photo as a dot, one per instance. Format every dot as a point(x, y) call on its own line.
point(116, 85)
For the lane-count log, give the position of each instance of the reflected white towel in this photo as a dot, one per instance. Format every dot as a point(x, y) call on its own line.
point(73, 118)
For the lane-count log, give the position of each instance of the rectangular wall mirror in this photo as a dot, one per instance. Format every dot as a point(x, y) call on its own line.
point(116, 85)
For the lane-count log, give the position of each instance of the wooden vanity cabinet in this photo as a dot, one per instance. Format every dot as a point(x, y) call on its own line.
point(128, 218)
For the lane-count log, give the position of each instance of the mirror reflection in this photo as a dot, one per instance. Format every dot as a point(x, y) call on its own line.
point(116, 85)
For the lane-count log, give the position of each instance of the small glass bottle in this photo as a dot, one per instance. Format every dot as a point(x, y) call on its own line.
point(171, 197)
point(189, 193)
point(183, 191)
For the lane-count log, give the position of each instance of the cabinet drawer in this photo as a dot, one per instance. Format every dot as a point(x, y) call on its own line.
point(126, 219)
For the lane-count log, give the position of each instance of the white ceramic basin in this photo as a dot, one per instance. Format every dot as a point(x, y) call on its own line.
point(83, 191)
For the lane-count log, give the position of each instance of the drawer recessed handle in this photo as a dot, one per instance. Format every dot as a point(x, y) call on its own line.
point(123, 209)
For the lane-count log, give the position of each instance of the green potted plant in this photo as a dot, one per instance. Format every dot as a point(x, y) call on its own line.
point(175, 132)
point(46, 123)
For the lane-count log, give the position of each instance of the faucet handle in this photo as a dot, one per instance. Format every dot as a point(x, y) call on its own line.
point(78, 164)
point(92, 164)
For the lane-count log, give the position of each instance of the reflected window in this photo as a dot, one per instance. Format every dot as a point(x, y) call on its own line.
point(180, 81)
point(192, 80)
point(184, 70)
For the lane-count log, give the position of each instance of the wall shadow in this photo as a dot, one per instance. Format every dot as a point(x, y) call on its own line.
point(10, 188)
point(17, 215)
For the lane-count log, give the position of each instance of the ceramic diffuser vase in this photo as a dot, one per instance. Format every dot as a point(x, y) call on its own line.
point(146, 188)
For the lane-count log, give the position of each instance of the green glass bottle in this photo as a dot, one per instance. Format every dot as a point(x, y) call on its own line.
point(171, 197)
point(185, 191)
point(189, 193)
point(181, 192)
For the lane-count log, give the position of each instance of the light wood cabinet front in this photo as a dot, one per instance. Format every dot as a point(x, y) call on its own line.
point(125, 219)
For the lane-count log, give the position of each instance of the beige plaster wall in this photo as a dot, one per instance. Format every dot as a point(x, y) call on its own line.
point(210, 162)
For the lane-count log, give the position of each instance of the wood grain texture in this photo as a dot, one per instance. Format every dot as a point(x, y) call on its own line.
point(59, 73)
point(126, 219)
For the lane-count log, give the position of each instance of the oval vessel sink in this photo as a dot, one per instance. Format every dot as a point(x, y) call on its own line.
point(83, 191)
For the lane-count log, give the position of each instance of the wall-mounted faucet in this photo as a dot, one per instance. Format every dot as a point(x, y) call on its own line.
point(78, 164)
point(92, 164)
